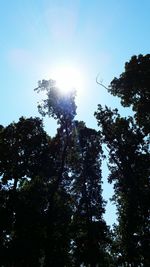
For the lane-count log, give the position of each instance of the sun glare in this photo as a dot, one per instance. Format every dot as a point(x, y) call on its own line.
point(68, 78)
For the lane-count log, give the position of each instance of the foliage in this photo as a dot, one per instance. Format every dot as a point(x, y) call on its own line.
point(133, 87)
point(23, 150)
point(57, 105)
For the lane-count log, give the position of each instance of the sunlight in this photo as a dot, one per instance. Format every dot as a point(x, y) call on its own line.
point(68, 78)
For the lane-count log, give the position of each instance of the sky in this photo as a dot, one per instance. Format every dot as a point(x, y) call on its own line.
point(96, 37)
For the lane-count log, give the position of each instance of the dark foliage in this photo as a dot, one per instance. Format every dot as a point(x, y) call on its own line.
point(133, 87)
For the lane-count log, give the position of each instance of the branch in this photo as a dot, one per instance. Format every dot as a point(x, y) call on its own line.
point(101, 82)
point(119, 167)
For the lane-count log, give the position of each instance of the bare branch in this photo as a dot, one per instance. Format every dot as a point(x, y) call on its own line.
point(101, 82)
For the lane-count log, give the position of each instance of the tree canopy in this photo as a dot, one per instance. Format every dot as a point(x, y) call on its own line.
point(133, 87)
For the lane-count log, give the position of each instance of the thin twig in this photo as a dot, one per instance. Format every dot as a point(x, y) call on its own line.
point(101, 82)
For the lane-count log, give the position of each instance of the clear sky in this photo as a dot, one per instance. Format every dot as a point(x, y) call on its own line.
point(96, 36)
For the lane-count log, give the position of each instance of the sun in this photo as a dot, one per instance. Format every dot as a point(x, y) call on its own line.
point(68, 78)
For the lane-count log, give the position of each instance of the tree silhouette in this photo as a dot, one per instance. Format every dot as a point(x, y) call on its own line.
point(133, 88)
point(129, 170)
point(24, 156)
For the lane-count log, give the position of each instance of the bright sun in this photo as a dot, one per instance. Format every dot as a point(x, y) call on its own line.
point(68, 78)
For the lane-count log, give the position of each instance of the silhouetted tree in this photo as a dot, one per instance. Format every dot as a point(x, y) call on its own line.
point(129, 171)
point(90, 233)
point(63, 109)
point(24, 155)
point(133, 87)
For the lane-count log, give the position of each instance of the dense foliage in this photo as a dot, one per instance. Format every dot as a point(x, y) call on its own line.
point(51, 203)
point(133, 88)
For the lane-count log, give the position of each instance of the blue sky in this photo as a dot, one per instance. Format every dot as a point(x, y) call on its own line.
point(95, 36)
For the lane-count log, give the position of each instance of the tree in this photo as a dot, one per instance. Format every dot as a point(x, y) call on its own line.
point(133, 87)
point(78, 173)
point(24, 156)
point(129, 171)
point(90, 233)
point(63, 109)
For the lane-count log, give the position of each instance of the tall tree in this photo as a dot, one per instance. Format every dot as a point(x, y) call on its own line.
point(90, 232)
point(78, 172)
point(63, 109)
point(129, 171)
